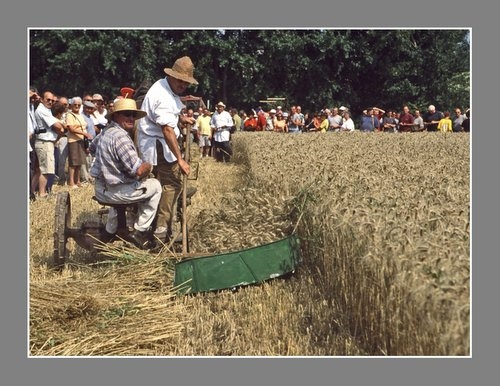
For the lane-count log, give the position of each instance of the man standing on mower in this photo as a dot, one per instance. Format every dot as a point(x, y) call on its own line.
point(157, 135)
point(121, 176)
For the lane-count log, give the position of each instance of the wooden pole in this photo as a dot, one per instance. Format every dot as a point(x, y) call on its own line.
point(187, 141)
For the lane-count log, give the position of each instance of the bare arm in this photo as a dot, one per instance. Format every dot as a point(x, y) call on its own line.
point(171, 139)
point(59, 127)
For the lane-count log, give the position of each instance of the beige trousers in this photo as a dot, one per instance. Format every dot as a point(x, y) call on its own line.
point(170, 177)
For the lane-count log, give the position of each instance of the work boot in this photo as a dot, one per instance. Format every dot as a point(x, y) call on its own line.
point(140, 239)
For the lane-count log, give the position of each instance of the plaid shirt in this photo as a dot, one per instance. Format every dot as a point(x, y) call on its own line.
point(116, 159)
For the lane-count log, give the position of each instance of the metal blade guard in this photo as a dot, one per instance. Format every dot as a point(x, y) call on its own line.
point(234, 269)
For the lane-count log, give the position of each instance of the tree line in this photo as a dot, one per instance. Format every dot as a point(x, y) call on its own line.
point(313, 68)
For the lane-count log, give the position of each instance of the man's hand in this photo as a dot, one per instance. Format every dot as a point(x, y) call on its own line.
point(144, 170)
point(184, 120)
point(185, 168)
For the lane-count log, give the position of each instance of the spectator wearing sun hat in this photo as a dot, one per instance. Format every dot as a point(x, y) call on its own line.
point(99, 114)
point(221, 124)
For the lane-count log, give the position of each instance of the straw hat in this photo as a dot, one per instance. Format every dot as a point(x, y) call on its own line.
point(126, 104)
point(182, 69)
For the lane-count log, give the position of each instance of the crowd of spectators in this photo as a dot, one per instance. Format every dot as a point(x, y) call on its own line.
point(340, 119)
point(60, 129)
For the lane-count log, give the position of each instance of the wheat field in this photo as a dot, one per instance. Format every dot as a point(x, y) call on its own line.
point(383, 221)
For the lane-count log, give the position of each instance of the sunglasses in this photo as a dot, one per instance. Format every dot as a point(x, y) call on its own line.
point(127, 114)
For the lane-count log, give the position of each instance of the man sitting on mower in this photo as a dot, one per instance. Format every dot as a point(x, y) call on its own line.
point(121, 177)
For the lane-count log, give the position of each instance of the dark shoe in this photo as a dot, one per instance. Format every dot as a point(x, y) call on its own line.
point(106, 237)
point(140, 239)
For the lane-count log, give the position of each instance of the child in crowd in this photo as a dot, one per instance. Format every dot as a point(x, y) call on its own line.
point(445, 125)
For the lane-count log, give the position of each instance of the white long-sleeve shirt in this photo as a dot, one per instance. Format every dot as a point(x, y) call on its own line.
point(221, 123)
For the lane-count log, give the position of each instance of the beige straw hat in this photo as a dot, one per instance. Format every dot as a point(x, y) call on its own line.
point(126, 104)
point(182, 69)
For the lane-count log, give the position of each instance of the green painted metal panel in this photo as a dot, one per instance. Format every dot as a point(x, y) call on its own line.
point(233, 269)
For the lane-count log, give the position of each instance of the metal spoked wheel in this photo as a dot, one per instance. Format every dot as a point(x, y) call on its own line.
point(61, 225)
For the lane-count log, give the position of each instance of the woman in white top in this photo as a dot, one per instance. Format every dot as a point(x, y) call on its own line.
point(347, 122)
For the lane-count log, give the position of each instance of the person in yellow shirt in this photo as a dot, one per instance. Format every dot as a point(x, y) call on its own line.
point(323, 127)
point(205, 132)
point(445, 125)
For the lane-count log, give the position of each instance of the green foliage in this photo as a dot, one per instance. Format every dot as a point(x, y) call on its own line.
point(314, 68)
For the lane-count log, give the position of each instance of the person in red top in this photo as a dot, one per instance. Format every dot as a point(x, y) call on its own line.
point(261, 120)
point(316, 122)
point(251, 122)
point(406, 120)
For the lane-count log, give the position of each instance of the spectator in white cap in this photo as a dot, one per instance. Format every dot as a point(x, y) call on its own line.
point(271, 117)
